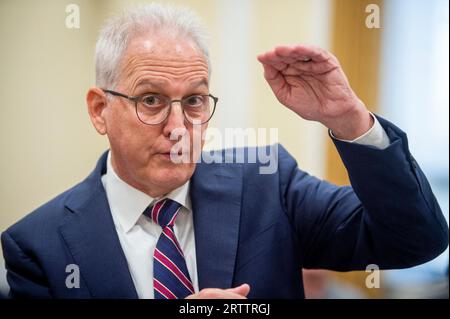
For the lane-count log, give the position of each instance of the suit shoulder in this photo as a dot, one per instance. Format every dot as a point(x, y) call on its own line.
point(42, 220)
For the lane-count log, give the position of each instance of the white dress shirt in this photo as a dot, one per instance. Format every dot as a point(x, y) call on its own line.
point(376, 136)
point(138, 234)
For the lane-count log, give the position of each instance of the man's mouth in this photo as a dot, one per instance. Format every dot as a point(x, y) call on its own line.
point(171, 154)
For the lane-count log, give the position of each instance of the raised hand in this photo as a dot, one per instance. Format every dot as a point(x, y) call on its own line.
point(310, 81)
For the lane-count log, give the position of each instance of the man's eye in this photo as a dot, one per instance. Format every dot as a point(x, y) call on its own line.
point(152, 100)
point(194, 101)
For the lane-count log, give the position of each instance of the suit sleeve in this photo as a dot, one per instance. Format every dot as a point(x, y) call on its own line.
point(25, 277)
point(388, 217)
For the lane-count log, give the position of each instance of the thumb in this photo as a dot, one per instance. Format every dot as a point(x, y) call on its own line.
point(242, 290)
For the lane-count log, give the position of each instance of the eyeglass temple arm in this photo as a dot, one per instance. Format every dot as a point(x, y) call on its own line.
point(133, 98)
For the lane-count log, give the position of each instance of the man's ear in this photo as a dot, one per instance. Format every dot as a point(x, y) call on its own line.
point(96, 102)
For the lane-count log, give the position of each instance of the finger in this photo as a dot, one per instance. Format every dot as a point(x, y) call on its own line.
point(263, 57)
point(229, 295)
point(285, 55)
point(216, 294)
point(269, 57)
point(273, 77)
point(312, 68)
point(320, 63)
point(242, 290)
point(302, 53)
point(272, 59)
point(276, 77)
point(315, 53)
point(234, 296)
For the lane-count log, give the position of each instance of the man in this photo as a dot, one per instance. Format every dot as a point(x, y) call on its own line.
point(143, 226)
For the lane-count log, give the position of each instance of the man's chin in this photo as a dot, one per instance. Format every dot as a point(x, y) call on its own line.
point(172, 177)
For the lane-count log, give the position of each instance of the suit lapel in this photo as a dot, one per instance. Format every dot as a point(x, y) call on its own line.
point(216, 202)
point(90, 235)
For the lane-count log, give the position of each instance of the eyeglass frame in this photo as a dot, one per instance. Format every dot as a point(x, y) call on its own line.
point(136, 99)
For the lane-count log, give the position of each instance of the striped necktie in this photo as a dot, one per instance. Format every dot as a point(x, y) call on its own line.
point(171, 278)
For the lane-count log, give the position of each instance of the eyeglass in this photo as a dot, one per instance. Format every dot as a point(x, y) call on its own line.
point(153, 109)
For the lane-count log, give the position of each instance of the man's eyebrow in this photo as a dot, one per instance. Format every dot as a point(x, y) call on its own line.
point(160, 85)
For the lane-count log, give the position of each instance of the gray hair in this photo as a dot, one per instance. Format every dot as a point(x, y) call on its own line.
point(119, 30)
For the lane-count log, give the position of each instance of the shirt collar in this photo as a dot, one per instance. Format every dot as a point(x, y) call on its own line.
point(128, 203)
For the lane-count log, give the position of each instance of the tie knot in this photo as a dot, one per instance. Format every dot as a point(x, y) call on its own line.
point(163, 212)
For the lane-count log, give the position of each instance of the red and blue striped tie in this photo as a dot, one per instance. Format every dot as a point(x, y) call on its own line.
point(171, 278)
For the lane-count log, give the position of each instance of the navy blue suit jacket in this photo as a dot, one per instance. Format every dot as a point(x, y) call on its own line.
point(249, 228)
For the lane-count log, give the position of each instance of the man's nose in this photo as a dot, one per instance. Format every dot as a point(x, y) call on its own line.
point(175, 121)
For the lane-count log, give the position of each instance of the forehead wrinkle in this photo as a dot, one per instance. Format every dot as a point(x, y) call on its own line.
point(171, 66)
point(176, 72)
point(166, 68)
point(137, 62)
point(168, 60)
